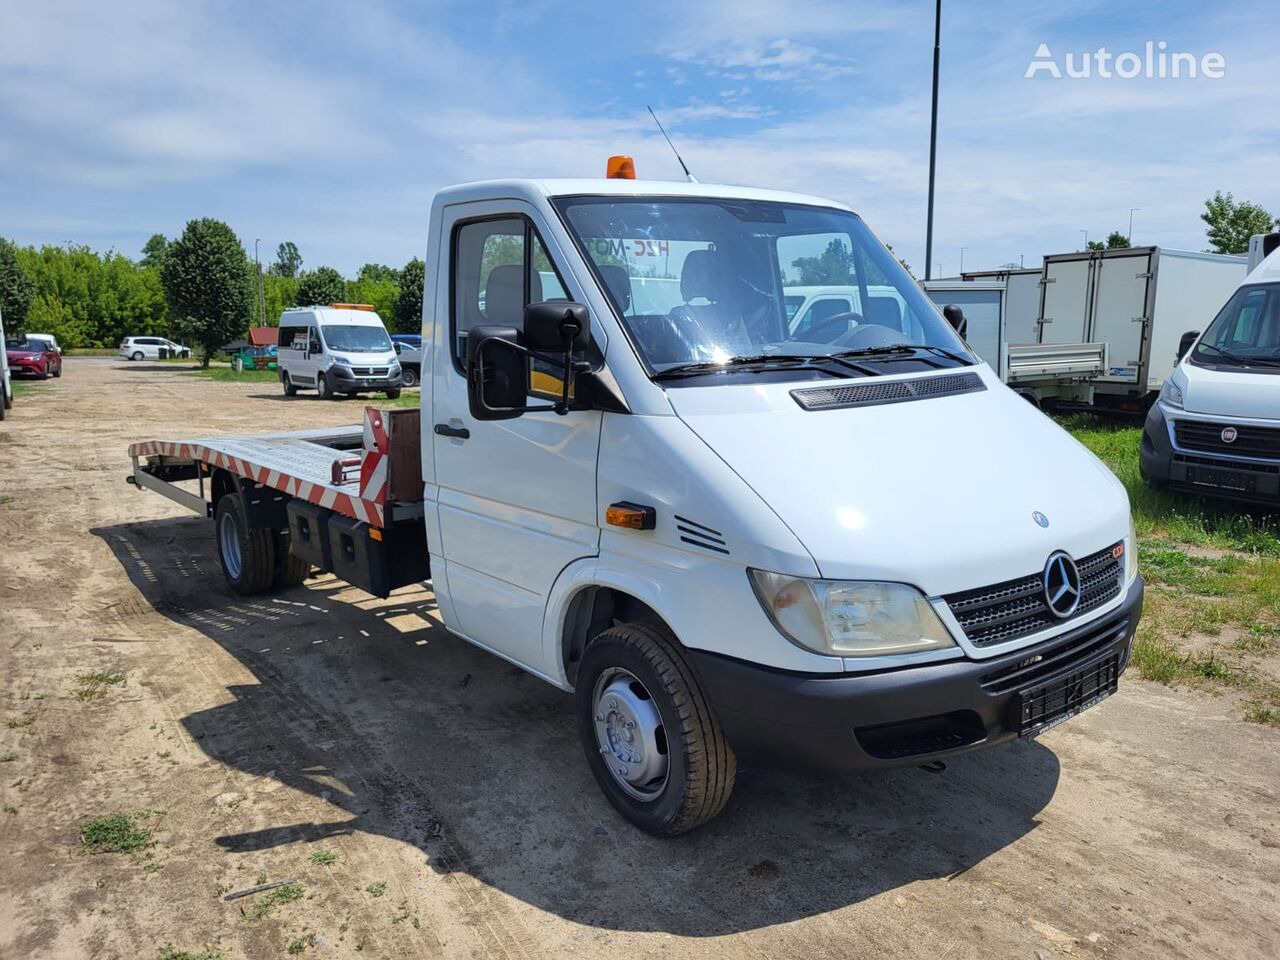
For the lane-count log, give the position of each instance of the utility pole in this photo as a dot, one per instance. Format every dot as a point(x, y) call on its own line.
point(1130, 236)
point(962, 250)
point(262, 295)
point(1086, 238)
point(933, 136)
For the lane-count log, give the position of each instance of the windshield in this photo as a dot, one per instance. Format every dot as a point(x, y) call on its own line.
point(703, 281)
point(355, 339)
point(1246, 330)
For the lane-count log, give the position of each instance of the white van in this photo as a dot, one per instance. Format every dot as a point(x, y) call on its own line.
point(1215, 427)
point(343, 348)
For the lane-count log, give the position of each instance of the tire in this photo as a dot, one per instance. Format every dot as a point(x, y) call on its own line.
point(322, 388)
point(4, 402)
point(290, 571)
point(137, 355)
point(393, 394)
point(8, 400)
point(409, 377)
point(289, 389)
point(247, 557)
point(700, 766)
point(57, 374)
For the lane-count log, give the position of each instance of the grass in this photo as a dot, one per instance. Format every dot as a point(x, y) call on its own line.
point(1213, 580)
point(170, 952)
point(21, 722)
point(93, 686)
point(26, 388)
point(120, 833)
point(324, 858)
point(286, 894)
point(301, 944)
point(226, 374)
point(377, 888)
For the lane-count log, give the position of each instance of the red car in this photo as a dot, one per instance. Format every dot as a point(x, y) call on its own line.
point(34, 358)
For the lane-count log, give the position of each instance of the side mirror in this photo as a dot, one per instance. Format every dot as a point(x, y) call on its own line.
point(1185, 343)
point(955, 316)
point(556, 326)
point(497, 372)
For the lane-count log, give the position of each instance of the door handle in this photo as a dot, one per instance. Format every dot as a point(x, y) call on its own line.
point(444, 430)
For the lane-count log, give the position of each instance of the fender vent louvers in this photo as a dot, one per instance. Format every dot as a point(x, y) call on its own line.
point(892, 391)
point(700, 535)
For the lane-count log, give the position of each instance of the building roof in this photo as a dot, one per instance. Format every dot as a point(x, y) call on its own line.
point(262, 336)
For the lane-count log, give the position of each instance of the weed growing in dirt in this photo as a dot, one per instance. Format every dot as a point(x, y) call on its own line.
point(286, 894)
point(8, 758)
point(170, 952)
point(21, 722)
point(377, 888)
point(116, 834)
point(5, 501)
point(93, 686)
point(302, 943)
point(324, 858)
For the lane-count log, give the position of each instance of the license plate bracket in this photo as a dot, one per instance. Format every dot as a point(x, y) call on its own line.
point(1221, 479)
point(1043, 707)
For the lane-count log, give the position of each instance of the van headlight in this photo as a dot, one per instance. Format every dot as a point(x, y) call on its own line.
point(1171, 395)
point(850, 618)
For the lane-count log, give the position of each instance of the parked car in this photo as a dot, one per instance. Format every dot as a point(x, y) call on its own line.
point(33, 358)
point(50, 344)
point(409, 352)
point(151, 348)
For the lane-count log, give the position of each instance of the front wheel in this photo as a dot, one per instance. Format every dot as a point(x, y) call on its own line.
point(322, 388)
point(289, 389)
point(57, 373)
point(247, 556)
point(650, 737)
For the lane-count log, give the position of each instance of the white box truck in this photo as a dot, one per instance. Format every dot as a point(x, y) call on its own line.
point(1138, 301)
point(843, 555)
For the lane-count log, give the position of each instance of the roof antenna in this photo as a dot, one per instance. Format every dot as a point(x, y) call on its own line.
point(688, 176)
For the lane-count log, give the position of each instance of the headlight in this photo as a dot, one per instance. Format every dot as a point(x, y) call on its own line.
point(850, 618)
point(340, 361)
point(1131, 553)
point(1170, 395)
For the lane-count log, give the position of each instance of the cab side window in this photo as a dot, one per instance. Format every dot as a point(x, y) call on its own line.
point(499, 267)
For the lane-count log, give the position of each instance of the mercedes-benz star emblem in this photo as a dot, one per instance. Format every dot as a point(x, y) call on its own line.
point(1061, 585)
point(1229, 434)
point(1040, 518)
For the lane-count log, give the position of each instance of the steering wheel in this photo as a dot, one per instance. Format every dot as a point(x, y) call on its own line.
point(868, 335)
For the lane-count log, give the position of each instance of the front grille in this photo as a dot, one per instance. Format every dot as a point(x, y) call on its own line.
point(1249, 441)
point(892, 391)
point(1017, 608)
point(369, 371)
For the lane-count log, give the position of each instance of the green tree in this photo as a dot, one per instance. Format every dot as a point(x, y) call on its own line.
point(153, 251)
point(1117, 241)
point(321, 286)
point(17, 289)
point(288, 260)
point(383, 294)
point(1095, 245)
point(832, 268)
point(209, 283)
point(406, 316)
point(1230, 224)
point(378, 273)
point(280, 293)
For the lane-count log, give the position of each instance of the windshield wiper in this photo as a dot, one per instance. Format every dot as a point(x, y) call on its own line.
point(763, 361)
point(899, 349)
point(1225, 354)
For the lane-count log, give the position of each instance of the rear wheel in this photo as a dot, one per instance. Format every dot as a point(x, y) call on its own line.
point(291, 571)
point(409, 377)
point(393, 394)
point(4, 401)
point(247, 556)
point(649, 734)
point(289, 389)
point(137, 355)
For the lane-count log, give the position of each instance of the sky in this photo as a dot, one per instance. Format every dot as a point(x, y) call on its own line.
point(332, 124)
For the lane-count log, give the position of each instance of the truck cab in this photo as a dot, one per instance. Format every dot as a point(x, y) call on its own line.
point(844, 549)
point(1215, 427)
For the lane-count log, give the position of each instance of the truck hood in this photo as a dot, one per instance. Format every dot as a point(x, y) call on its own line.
point(1229, 393)
point(941, 493)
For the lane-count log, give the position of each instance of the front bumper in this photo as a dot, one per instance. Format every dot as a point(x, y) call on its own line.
point(1251, 481)
point(905, 717)
point(342, 380)
point(29, 368)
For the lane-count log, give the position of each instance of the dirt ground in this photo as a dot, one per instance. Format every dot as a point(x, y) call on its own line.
point(452, 790)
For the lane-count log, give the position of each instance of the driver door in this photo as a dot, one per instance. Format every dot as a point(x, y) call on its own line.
point(516, 498)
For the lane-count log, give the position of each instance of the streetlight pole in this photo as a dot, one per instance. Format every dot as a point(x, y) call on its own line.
point(1131, 210)
point(933, 136)
point(1086, 238)
point(962, 250)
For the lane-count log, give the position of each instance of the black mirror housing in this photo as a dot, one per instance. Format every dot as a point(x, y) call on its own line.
point(955, 316)
point(553, 325)
point(1185, 343)
point(497, 372)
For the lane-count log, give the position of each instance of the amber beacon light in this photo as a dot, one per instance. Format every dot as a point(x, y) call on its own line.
point(620, 168)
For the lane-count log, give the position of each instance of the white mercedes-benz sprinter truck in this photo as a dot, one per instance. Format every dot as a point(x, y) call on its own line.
point(1215, 428)
point(844, 548)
